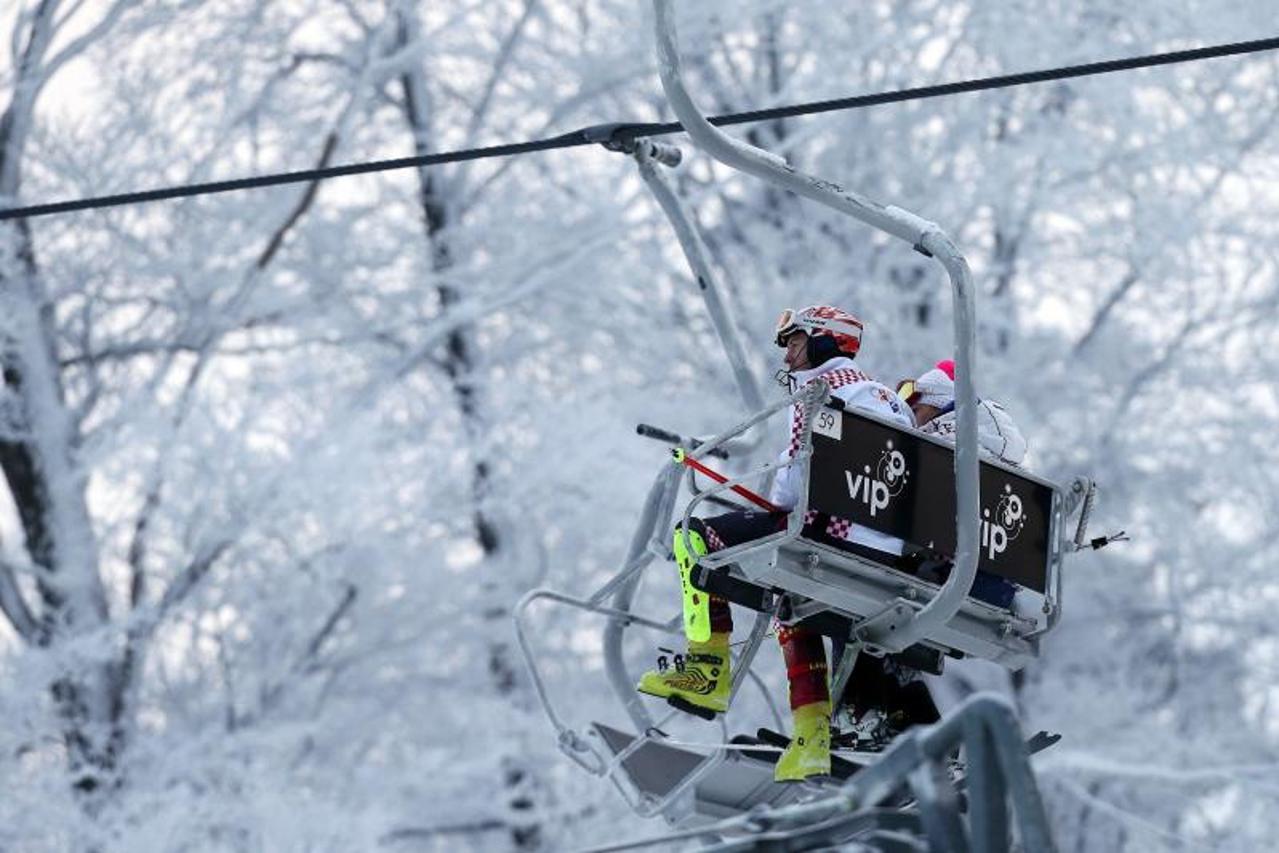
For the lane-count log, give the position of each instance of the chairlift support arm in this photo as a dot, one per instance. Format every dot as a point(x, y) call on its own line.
point(923, 235)
point(707, 282)
point(650, 156)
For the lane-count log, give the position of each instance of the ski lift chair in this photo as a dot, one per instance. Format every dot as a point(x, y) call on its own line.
point(855, 467)
point(891, 610)
point(906, 490)
point(865, 470)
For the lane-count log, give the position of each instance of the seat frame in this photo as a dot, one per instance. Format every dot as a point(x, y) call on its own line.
point(857, 588)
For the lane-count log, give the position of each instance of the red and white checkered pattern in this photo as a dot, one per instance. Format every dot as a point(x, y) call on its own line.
point(844, 376)
point(713, 542)
point(840, 528)
point(796, 429)
point(837, 527)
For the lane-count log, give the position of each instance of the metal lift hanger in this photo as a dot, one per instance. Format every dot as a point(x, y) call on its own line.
point(875, 608)
point(927, 238)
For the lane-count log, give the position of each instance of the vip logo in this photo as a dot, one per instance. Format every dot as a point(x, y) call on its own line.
point(877, 488)
point(1010, 518)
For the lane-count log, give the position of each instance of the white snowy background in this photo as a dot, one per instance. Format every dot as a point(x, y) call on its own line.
point(279, 463)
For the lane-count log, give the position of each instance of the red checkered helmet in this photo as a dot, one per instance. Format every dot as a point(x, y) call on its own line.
point(822, 321)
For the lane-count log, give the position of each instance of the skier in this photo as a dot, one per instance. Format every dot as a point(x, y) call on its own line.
point(882, 697)
point(931, 398)
point(820, 341)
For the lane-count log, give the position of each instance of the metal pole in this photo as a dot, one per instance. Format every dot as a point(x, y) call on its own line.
point(695, 252)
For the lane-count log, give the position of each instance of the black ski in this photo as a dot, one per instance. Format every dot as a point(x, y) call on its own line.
point(1037, 742)
point(765, 755)
point(840, 768)
point(689, 708)
point(1040, 741)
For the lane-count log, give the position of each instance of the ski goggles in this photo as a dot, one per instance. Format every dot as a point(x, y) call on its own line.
point(908, 392)
point(786, 326)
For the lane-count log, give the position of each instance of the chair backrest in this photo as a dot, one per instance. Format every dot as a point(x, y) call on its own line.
point(902, 483)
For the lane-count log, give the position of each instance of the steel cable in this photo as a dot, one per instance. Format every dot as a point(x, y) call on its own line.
point(614, 135)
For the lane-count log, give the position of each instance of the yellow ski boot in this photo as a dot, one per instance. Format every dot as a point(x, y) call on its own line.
point(701, 677)
point(701, 680)
point(697, 604)
point(809, 750)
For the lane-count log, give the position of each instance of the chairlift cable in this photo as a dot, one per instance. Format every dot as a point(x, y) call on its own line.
point(623, 131)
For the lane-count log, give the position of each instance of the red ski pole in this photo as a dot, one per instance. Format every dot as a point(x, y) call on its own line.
point(682, 458)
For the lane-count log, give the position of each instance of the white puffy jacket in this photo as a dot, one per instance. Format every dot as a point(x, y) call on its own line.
point(996, 432)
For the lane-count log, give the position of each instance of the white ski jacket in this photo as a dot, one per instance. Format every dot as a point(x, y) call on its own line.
point(996, 432)
point(857, 391)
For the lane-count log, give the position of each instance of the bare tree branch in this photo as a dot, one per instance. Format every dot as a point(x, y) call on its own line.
point(299, 209)
point(322, 635)
point(505, 53)
point(1121, 290)
point(188, 579)
point(77, 45)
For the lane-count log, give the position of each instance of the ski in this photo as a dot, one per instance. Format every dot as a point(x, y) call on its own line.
point(841, 766)
point(849, 762)
point(1040, 741)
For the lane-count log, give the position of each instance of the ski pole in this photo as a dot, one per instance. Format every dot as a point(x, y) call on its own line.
point(682, 458)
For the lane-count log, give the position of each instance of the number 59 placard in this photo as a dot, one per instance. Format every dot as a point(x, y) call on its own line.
point(829, 424)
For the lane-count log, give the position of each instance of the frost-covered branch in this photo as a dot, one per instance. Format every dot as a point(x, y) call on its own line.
point(14, 606)
point(418, 833)
point(1116, 295)
point(190, 577)
point(499, 65)
point(538, 276)
point(1127, 818)
point(330, 624)
point(90, 36)
point(1089, 762)
point(300, 208)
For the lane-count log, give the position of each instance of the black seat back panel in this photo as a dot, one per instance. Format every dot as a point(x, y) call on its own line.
point(902, 483)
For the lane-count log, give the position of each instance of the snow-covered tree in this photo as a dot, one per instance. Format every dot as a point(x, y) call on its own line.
point(278, 464)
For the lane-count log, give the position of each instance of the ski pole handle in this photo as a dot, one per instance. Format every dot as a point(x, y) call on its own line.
point(658, 433)
point(682, 458)
point(668, 437)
